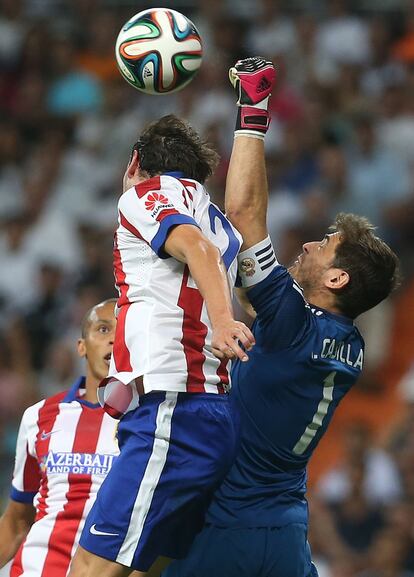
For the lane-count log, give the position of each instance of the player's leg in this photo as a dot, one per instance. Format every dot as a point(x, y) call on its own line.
point(156, 570)
point(175, 450)
point(219, 552)
point(86, 564)
point(90, 563)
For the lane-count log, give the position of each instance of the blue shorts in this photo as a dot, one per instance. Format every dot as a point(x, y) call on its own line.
point(175, 450)
point(254, 552)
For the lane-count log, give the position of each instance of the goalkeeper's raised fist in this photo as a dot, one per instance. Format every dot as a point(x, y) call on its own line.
point(253, 80)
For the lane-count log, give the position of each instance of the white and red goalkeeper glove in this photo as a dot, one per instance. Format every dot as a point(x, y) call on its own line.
point(253, 80)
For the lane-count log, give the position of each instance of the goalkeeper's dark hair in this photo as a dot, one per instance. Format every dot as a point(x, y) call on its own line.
point(372, 266)
point(170, 144)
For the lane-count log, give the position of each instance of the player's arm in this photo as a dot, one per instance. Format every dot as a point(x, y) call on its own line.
point(246, 198)
point(14, 526)
point(246, 195)
point(246, 184)
point(19, 514)
point(246, 190)
point(268, 287)
point(187, 244)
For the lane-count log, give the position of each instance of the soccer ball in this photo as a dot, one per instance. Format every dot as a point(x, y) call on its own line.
point(158, 51)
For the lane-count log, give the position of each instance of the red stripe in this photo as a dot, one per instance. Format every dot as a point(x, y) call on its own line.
point(184, 199)
point(194, 335)
point(120, 351)
point(31, 473)
point(17, 569)
point(166, 212)
point(187, 183)
point(126, 224)
point(120, 275)
point(144, 187)
point(223, 373)
point(121, 354)
point(67, 521)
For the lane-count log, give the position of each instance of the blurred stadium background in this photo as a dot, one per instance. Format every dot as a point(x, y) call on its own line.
point(342, 138)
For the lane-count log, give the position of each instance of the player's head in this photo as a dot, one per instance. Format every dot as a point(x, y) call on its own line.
point(97, 338)
point(350, 270)
point(170, 145)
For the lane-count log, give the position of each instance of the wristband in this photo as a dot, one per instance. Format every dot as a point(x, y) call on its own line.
point(256, 263)
point(252, 119)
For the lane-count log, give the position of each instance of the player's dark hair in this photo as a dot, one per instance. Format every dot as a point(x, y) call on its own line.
point(170, 144)
point(372, 266)
point(87, 319)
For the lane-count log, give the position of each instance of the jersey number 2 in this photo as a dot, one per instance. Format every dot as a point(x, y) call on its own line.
point(234, 245)
point(318, 417)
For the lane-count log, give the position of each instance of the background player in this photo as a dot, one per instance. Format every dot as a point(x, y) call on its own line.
point(308, 355)
point(66, 446)
point(173, 315)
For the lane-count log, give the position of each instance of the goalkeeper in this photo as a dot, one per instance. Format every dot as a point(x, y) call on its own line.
point(308, 355)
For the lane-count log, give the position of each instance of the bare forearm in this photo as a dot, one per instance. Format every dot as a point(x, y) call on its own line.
point(246, 190)
point(209, 274)
point(187, 244)
point(13, 532)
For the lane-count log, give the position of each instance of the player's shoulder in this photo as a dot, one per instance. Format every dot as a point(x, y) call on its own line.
point(181, 184)
point(327, 319)
point(277, 276)
point(159, 183)
point(339, 337)
point(32, 412)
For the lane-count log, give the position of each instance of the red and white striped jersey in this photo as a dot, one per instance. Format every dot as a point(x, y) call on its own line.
point(163, 332)
point(65, 448)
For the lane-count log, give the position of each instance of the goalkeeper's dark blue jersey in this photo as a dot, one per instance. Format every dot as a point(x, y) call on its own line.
point(305, 360)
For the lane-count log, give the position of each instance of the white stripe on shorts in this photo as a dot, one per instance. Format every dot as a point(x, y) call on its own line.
point(150, 479)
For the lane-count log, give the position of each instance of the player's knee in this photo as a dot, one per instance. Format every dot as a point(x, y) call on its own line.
point(86, 564)
point(81, 565)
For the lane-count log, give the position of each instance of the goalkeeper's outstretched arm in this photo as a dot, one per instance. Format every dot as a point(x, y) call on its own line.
point(246, 185)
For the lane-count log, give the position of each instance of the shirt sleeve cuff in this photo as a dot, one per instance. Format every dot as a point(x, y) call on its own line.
point(256, 263)
point(157, 243)
point(22, 496)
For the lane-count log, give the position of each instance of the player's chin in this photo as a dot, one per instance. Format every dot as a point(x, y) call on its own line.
point(102, 371)
point(293, 268)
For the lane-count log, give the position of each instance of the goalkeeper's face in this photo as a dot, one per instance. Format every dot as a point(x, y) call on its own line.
point(313, 268)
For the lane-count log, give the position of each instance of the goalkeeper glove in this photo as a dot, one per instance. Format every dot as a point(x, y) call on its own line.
point(253, 80)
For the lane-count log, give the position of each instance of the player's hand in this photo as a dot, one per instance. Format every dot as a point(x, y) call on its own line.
point(228, 337)
point(253, 80)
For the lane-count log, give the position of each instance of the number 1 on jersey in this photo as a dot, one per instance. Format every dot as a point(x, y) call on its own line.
point(318, 417)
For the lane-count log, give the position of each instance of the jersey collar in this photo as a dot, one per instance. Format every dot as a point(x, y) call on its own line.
point(336, 317)
point(175, 174)
point(73, 394)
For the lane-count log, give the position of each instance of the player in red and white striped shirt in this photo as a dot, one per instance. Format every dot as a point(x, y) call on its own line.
point(66, 446)
point(175, 261)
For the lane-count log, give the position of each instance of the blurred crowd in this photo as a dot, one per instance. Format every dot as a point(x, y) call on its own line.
point(341, 138)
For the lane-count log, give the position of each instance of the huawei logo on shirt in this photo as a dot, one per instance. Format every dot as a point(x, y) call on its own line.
point(154, 198)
